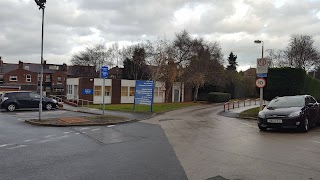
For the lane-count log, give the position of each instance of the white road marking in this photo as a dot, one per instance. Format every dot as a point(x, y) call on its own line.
point(28, 140)
point(95, 129)
point(83, 128)
point(16, 147)
point(110, 126)
point(48, 140)
point(67, 132)
point(4, 145)
point(247, 124)
point(49, 136)
point(77, 133)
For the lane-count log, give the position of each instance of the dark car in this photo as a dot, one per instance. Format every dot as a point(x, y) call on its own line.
point(290, 112)
point(25, 99)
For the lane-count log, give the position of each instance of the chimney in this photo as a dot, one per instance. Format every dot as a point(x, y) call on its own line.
point(64, 67)
point(20, 65)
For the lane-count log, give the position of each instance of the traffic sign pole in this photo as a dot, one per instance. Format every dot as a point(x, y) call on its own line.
point(103, 95)
point(261, 98)
point(260, 83)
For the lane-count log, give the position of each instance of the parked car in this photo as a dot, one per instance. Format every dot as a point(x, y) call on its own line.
point(290, 112)
point(25, 99)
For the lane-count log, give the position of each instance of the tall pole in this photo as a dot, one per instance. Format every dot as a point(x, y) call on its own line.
point(41, 71)
point(261, 89)
point(103, 95)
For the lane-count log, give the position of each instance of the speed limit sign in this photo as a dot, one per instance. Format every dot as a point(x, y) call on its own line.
point(260, 82)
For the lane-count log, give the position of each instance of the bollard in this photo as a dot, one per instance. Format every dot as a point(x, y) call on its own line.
point(233, 105)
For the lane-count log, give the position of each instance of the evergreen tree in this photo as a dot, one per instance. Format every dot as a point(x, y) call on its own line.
point(232, 62)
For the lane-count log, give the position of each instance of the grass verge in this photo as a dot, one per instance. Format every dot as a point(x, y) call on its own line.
point(250, 113)
point(157, 108)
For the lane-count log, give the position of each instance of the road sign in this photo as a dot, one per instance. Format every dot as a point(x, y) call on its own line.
point(87, 91)
point(262, 75)
point(260, 82)
point(143, 92)
point(104, 72)
point(262, 65)
point(163, 87)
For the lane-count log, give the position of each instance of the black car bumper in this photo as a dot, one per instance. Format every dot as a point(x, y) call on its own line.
point(286, 123)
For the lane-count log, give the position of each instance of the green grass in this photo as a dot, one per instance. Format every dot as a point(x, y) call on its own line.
point(159, 107)
point(250, 113)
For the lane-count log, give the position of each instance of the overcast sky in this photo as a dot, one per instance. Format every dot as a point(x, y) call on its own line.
point(71, 25)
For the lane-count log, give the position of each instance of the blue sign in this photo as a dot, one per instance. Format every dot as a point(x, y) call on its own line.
point(104, 72)
point(87, 91)
point(262, 75)
point(144, 92)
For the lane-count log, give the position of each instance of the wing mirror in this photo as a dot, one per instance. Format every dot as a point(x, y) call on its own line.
point(263, 106)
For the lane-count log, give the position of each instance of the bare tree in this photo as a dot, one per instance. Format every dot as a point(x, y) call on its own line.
point(96, 55)
point(301, 53)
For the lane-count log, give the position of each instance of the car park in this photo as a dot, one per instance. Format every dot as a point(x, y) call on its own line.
point(301, 111)
point(25, 99)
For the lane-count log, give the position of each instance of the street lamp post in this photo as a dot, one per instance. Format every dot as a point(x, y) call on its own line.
point(41, 4)
point(261, 89)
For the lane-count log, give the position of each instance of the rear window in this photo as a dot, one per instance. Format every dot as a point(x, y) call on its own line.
point(290, 101)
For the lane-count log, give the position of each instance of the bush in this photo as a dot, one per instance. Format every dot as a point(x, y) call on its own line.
point(218, 97)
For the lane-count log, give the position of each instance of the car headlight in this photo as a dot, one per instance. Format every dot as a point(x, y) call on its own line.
point(55, 101)
point(261, 115)
point(295, 114)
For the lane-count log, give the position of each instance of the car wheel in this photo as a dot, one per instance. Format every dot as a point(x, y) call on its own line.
point(49, 106)
point(306, 125)
point(262, 128)
point(11, 107)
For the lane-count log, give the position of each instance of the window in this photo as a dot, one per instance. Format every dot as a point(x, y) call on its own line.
point(69, 89)
point(97, 90)
point(160, 93)
point(53, 67)
point(124, 91)
point(34, 96)
point(48, 78)
point(155, 92)
point(28, 78)
point(58, 90)
point(1, 78)
point(13, 78)
point(27, 67)
point(131, 91)
point(59, 79)
point(48, 88)
point(39, 77)
point(107, 91)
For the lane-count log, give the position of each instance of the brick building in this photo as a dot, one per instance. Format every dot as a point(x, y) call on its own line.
point(26, 76)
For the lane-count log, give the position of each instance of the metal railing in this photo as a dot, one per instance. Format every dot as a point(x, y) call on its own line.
point(236, 104)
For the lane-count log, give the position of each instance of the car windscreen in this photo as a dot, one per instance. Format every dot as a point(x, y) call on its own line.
point(292, 101)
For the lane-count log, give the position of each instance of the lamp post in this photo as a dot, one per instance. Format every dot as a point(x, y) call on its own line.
point(41, 4)
point(261, 89)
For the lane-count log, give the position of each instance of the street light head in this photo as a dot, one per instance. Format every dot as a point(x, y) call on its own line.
point(257, 41)
point(40, 3)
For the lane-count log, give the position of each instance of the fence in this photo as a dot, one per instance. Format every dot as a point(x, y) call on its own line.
point(236, 104)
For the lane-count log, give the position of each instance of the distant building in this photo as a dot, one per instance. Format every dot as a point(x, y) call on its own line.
point(26, 76)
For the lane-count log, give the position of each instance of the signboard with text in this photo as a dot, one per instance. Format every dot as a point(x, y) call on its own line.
point(104, 72)
point(144, 92)
point(262, 66)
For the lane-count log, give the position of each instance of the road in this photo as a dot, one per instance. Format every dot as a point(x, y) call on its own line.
point(193, 143)
point(208, 145)
point(128, 151)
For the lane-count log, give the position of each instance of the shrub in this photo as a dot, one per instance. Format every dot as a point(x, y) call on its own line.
point(218, 97)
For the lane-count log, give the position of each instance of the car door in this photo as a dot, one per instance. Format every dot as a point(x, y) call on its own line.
point(34, 100)
point(316, 108)
point(23, 99)
point(312, 108)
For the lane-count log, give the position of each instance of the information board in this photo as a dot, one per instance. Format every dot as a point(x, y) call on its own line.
point(144, 92)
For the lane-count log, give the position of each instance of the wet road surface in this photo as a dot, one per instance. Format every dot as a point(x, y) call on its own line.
point(209, 145)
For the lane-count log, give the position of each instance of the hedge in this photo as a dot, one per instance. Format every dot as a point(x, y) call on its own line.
point(290, 81)
point(218, 97)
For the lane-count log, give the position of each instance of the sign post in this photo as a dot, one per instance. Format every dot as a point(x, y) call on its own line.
point(104, 75)
point(260, 83)
point(262, 71)
point(143, 93)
